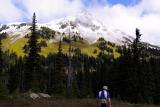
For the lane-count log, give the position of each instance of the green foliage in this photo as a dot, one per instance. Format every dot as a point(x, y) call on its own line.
point(102, 44)
point(59, 76)
point(33, 73)
point(1, 60)
point(43, 43)
point(4, 27)
point(3, 35)
point(46, 33)
point(13, 79)
point(66, 39)
point(3, 91)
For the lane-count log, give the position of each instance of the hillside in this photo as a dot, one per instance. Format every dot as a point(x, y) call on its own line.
point(81, 26)
point(52, 47)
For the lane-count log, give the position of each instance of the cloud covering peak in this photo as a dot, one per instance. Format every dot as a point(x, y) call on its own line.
point(144, 14)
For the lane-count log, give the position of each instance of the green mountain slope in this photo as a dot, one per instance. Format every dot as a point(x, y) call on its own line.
point(84, 46)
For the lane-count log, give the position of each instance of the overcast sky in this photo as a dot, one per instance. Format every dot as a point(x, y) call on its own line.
point(125, 15)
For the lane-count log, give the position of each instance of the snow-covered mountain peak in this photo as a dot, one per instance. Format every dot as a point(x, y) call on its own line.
point(83, 24)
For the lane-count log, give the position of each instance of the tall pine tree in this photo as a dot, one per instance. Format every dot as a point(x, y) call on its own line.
point(33, 73)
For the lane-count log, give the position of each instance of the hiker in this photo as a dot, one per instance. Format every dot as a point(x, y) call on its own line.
point(103, 98)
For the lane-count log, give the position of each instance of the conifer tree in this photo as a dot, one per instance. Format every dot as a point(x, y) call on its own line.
point(13, 78)
point(59, 76)
point(137, 72)
point(102, 45)
point(1, 60)
point(136, 46)
point(3, 90)
point(33, 68)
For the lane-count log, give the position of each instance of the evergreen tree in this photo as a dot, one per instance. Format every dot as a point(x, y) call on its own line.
point(59, 74)
point(1, 60)
point(49, 74)
point(13, 78)
point(136, 47)
point(102, 44)
point(3, 89)
point(33, 75)
point(137, 72)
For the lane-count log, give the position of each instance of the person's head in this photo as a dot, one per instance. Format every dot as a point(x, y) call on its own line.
point(105, 87)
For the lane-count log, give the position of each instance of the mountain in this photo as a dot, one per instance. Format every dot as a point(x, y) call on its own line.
point(82, 25)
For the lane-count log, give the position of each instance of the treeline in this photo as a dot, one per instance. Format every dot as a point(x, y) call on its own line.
point(133, 77)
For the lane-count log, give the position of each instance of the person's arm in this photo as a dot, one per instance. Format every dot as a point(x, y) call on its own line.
point(109, 102)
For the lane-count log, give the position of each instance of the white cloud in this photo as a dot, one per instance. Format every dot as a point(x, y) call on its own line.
point(47, 10)
point(145, 16)
point(8, 12)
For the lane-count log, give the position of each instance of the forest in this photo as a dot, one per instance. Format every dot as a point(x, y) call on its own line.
point(132, 77)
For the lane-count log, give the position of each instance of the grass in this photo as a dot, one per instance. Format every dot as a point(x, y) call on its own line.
point(16, 46)
point(86, 48)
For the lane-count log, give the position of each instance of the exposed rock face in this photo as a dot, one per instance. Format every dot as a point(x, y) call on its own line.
point(39, 95)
